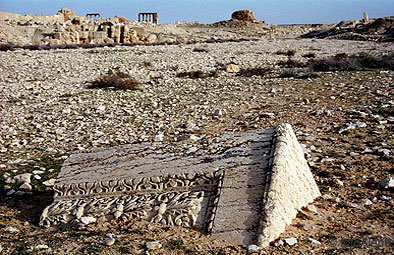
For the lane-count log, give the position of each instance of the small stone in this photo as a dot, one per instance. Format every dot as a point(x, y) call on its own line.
point(25, 178)
point(366, 201)
point(153, 245)
point(354, 154)
point(311, 208)
point(191, 150)
point(278, 243)
point(41, 247)
point(384, 152)
point(87, 220)
point(253, 247)
point(383, 197)
point(158, 137)
point(232, 68)
point(20, 193)
point(290, 241)
point(11, 192)
point(218, 113)
point(342, 167)
point(187, 137)
point(11, 230)
point(386, 183)
point(338, 182)
point(101, 108)
point(267, 115)
point(49, 183)
point(38, 172)
point(26, 186)
point(109, 241)
point(314, 241)
point(355, 205)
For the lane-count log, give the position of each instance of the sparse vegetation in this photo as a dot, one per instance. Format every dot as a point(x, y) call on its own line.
point(197, 74)
point(116, 80)
point(7, 47)
point(258, 71)
point(289, 53)
point(343, 62)
point(293, 73)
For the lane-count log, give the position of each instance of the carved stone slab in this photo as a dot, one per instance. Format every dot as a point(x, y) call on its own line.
point(241, 187)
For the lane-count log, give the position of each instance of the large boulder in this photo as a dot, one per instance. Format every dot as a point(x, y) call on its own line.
point(243, 15)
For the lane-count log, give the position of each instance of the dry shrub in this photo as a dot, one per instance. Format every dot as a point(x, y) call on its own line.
point(258, 71)
point(116, 80)
point(7, 47)
point(309, 55)
point(293, 73)
point(197, 74)
point(147, 64)
point(292, 63)
point(343, 62)
point(288, 53)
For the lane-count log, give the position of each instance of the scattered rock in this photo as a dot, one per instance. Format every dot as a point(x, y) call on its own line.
point(41, 247)
point(278, 243)
point(386, 183)
point(11, 192)
point(311, 208)
point(159, 137)
point(314, 241)
point(109, 241)
point(267, 115)
point(26, 186)
point(11, 230)
point(366, 201)
point(232, 68)
point(338, 182)
point(353, 126)
point(25, 178)
point(88, 220)
point(218, 113)
point(49, 183)
point(153, 245)
point(253, 247)
point(187, 137)
point(290, 241)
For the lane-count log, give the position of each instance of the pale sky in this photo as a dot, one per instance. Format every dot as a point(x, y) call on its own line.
point(210, 11)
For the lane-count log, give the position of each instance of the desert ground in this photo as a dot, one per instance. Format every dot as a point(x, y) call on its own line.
point(342, 113)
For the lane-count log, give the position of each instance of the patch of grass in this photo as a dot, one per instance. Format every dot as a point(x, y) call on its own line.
point(124, 250)
point(292, 73)
point(339, 174)
point(116, 80)
point(288, 53)
point(175, 244)
point(303, 216)
point(289, 63)
point(344, 62)
point(197, 74)
point(258, 71)
point(324, 174)
point(309, 55)
point(367, 233)
point(7, 47)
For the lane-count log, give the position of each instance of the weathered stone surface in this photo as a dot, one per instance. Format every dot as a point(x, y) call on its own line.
point(242, 187)
point(244, 15)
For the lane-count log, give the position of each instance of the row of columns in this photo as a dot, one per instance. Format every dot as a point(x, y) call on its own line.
point(93, 15)
point(148, 17)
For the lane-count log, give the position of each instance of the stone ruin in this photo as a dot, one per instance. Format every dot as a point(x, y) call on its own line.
point(68, 28)
point(148, 17)
point(242, 187)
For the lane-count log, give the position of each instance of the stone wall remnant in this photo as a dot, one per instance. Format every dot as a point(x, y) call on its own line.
point(242, 187)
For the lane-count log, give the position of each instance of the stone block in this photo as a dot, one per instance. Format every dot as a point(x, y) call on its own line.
point(242, 187)
point(97, 35)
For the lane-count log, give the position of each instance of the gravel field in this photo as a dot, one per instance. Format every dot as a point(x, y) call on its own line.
point(344, 120)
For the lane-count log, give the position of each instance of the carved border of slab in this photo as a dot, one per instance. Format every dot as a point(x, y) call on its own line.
point(188, 200)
